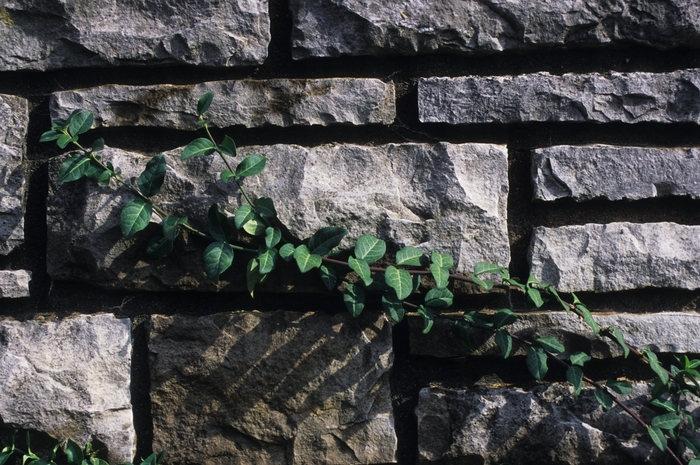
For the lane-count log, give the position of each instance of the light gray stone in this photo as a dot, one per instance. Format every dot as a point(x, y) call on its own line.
point(14, 284)
point(272, 388)
point(444, 197)
point(278, 102)
point(544, 425)
point(51, 34)
point(14, 118)
point(70, 379)
point(611, 97)
point(668, 332)
point(615, 173)
point(617, 256)
point(398, 27)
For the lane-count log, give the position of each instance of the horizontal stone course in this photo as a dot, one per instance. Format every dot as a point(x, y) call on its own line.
point(50, 34)
point(14, 284)
point(359, 27)
point(14, 119)
point(602, 98)
point(617, 256)
point(272, 388)
point(615, 173)
point(279, 102)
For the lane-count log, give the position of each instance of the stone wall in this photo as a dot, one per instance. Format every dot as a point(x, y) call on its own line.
point(559, 138)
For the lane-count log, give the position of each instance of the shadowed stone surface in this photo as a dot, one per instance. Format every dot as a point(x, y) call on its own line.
point(615, 173)
point(280, 102)
point(51, 34)
point(670, 332)
point(14, 118)
point(70, 379)
point(544, 425)
point(394, 27)
point(14, 284)
point(272, 388)
point(443, 197)
point(617, 256)
point(613, 97)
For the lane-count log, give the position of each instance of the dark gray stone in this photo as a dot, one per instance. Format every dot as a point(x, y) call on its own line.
point(14, 284)
point(14, 118)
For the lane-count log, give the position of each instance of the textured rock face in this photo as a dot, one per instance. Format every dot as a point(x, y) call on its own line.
point(545, 425)
point(617, 256)
point(50, 34)
point(613, 97)
point(670, 332)
point(356, 27)
point(615, 173)
point(70, 379)
point(14, 117)
point(281, 102)
point(443, 197)
point(272, 388)
point(14, 284)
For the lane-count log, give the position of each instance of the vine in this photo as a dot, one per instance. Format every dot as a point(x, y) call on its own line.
point(399, 284)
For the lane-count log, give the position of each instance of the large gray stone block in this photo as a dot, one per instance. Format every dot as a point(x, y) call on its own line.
point(544, 425)
point(70, 379)
point(602, 98)
point(615, 173)
point(279, 102)
point(51, 34)
point(617, 256)
point(14, 118)
point(398, 27)
point(272, 388)
point(14, 284)
point(443, 197)
point(668, 332)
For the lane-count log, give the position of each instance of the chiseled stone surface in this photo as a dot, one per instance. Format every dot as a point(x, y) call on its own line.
point(51, 34)
point(547, 424)
point(668, 332)
point(612, 97)
point(70, 379)
point(14, 284)
point(399, 27)
point(14, 118)
point(617, 256)
point(278, 102)
point(444, 197)
point(272, 388)
point(615, 173)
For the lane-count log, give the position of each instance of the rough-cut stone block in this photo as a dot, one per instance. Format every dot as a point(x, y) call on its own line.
point(670, 332)
point(444, 197)
point(279, 102)
point(545, 425)
point(70, 379)
point(14, 117)
point(14, 284)
point(50, 34)
point(612, 97)
point(615, 173)
point(272, 388)
point(399, 27)
point(617, 256)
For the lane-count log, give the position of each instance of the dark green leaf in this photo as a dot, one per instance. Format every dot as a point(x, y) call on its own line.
point(664, 404)
point(204, 103)
point(504, 317)
point(170, 226)
point(226, 175)
point(217, 259)
point(487, 284)
point(393, 306)
point(153, 176)
point(666, 421)
point(287, 252)
point(159, 247)
point(621, 387)
point(441, 276)
point(48, 136)
point(461, 329)
point(5, 455)
point(272, 237)
point(379, 284)
point(536, 362)
point(485, 267)
point(104, 177)
point(656, 366)
point(94, 171)
point(135, 217)
point(265, 207)
point(253, 275)
point(243, 215)
point(604, 399)
point(504, 342)
point(362, 269)
point(197, 148)
point(659, 388)
point(535, 296)
point(620, 339)
point(328, 276)
point(80, 122)
point(439, 298)
point(326, 239)
point(478, 319)
point(64, 140)
point(369, 248)
point(588, 317)
point(443, 260)
point(217, 223)
point(551, 344)
point(411, 256)
point(692, 444)
point(658, 437)
point(160, 456)
point(579, 358)
point(354, 298)
point(250, 166)
point(98, 145)
point(73, 168)
point(74, 453)
point(267, 258)
point(575, 376)
point(399, 280)
point(228, 147)
point(306, 260)
point(428, 318)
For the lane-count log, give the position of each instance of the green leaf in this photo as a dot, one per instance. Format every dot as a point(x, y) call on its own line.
point(217, 259)
point(393, 306)
point(504, 341)
point(197, 148)
point(80, 122)
point(151, 180)
point(362, 269)
point(104, 177)
point(328, 276)
point(265, 207)
point(443, 260)
point(326, 239)
point(693, 445)
point(250, 166)
point(267, 259)
point(504, 317)
point(658, 437)
point(656, 366)
point(535, 296)
point(65, 139)
point(73, 168)
point(226, 175)
point(579, 358)
point(441, 275)
point(486, 267)
point(253, 275)
point(621, 387)
point(306, 260)
point(5, 455)
point(255, 227)
point(604, 399)
point(217, 223)
point(399, 280)
point(159, 247)
point(487, 284)
point(98, 145)
point(204, 103)
point(74, 453)
point(94, 171)
point(438, 298)
point(369, 248)
point(354, 298)
point(170, 226)
point(428, 317)
point(135, 217)
point(665, 404)
point(48, 136)
point(620, 339)
point(666, 421)
point(575, 376)
point(536, 362)
point(228, 147)
point(287, 252)
point(243, 215)
point(588, 317)
point(551, 344)
point(272, 237)
point(461, 329)
point(478, 320)
point(410, 256)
